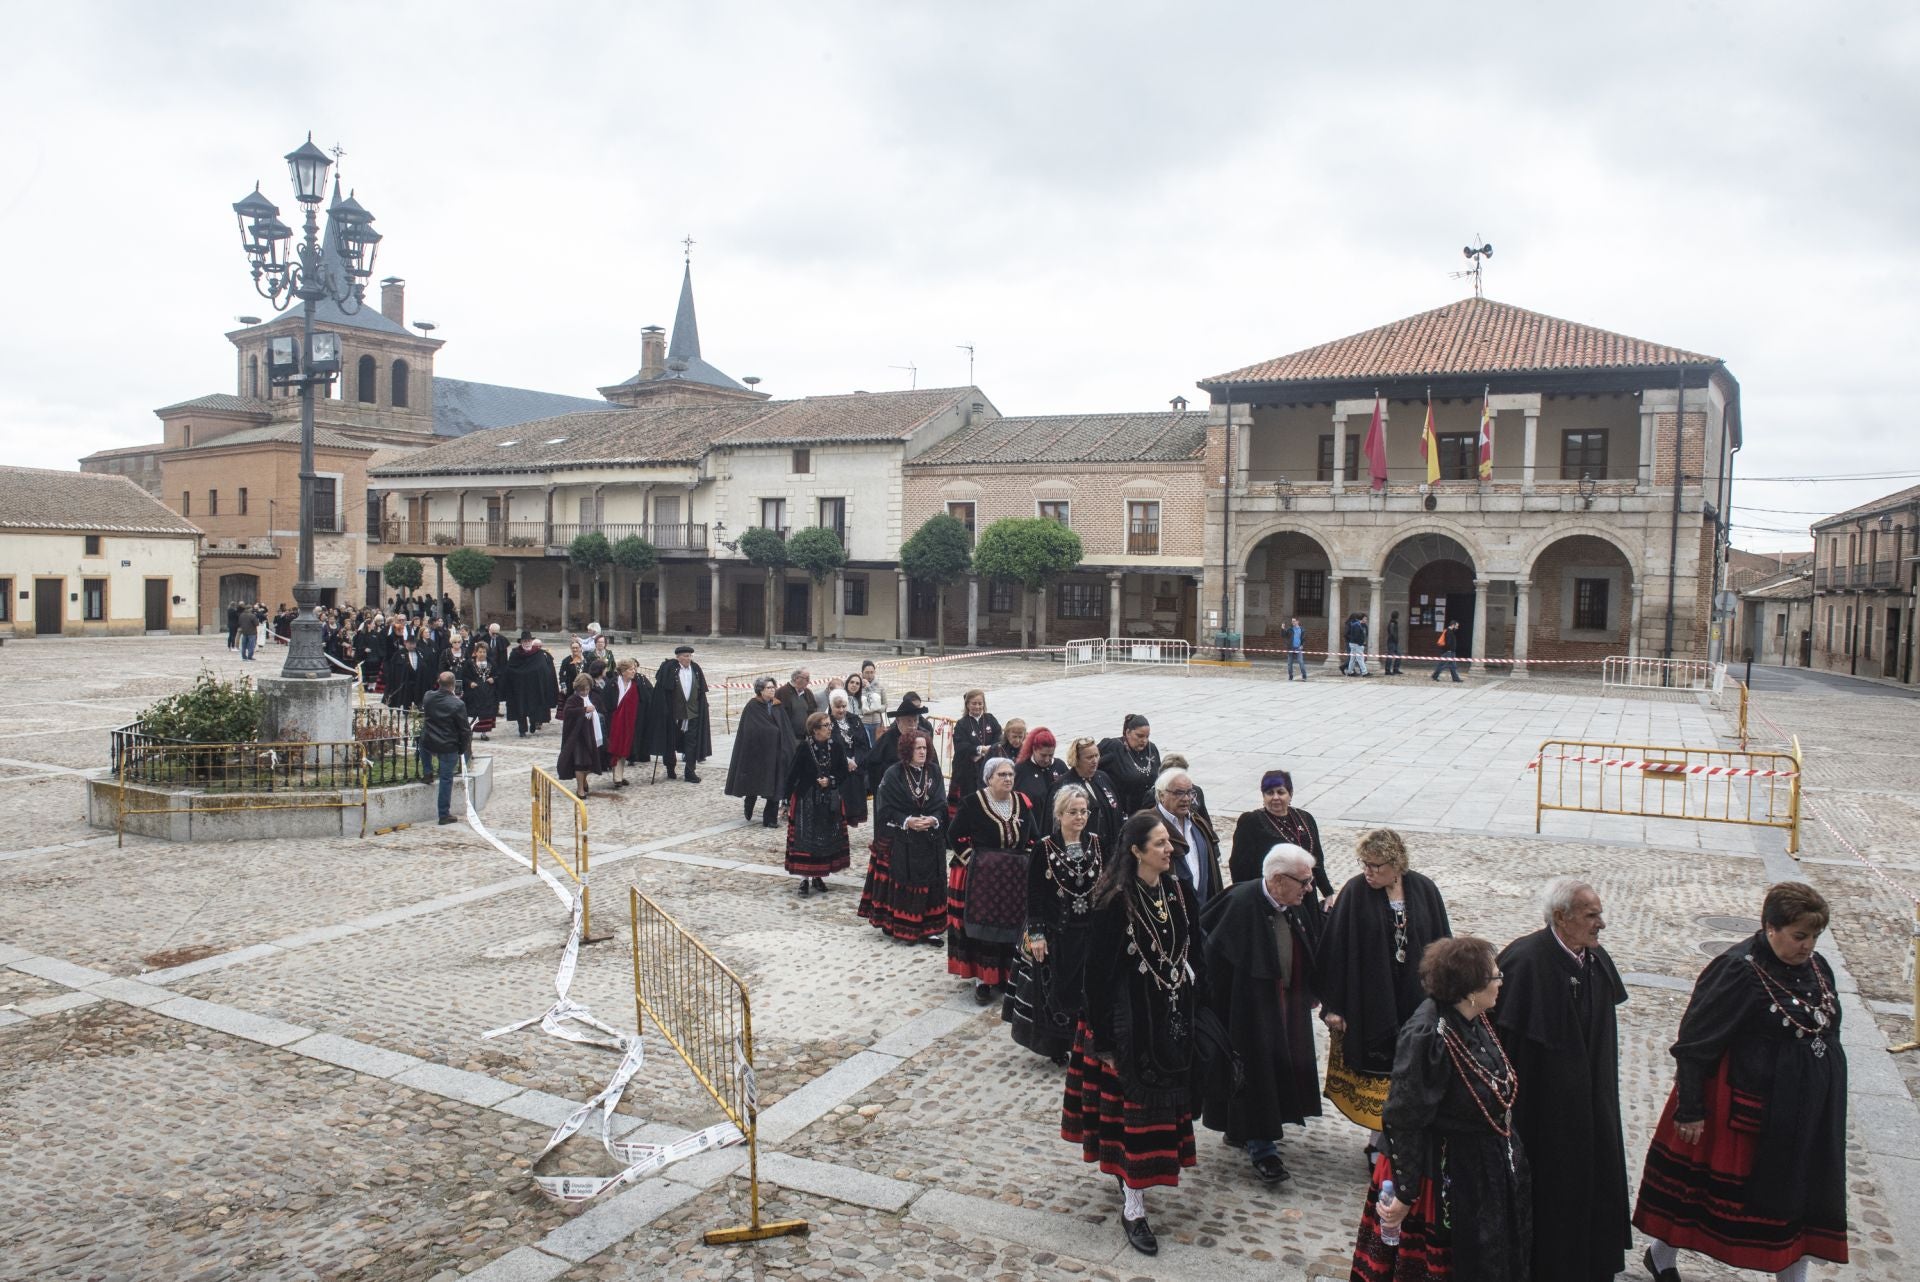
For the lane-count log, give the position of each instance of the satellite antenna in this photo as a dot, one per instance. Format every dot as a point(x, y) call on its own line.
point(425, 327)
point(1477, 256)
point(751, 380)
point(248, 320)
point(913, 370)
point(968, 349)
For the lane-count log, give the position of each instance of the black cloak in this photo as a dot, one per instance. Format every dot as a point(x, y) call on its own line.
point(1132, 773)
point(579, 747)
point(762, 751)
point(1556, 1019)
point(1271, 1027)
point(532, 690)
point(970, 734)
point(1254, 834)
point(671, 707)
point(1359, 979)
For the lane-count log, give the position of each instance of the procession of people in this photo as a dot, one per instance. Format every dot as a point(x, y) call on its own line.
point(1176, 977)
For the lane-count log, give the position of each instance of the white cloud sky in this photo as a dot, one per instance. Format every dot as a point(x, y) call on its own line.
point(1110, 200)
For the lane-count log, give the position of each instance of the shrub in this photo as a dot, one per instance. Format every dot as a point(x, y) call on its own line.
point(209, 711)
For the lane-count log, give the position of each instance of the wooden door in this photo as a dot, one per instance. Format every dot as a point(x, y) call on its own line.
point(49, 614)
point(922, 609)
point(795, 618)
point(157, 603)
point(749, 609)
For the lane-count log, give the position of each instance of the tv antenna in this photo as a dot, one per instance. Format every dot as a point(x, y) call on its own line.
point(968, 349)
point(913, 372)
point(1477, 255)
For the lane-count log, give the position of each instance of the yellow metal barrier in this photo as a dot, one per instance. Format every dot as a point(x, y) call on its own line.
point(222, 778)
point(573, 860)
point(1706, 785)
point(701, 1008)
point(1913, 1045)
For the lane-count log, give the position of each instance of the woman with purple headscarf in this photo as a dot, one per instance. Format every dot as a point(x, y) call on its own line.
point(1278, 822)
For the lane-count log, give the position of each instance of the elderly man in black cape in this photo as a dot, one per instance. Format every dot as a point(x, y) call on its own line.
point(1262, 943)
point(532, 689)
point(679, 727)
point(762, 752)
point(886, 750)
point(1556, 1020)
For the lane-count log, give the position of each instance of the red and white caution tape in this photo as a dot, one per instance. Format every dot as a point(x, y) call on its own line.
point(1669, 767)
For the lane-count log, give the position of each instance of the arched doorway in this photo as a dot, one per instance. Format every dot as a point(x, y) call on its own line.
point(1429, 580)
point(1287, 577)
point(1580, 602)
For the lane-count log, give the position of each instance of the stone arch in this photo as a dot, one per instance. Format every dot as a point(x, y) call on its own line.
point(1284, 569)
point(1427, 578)
point(1580, 595)
point(1398, 534)
point(1249, 540)
point(1591, 530)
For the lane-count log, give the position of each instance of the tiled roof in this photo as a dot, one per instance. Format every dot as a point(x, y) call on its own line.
point(1472, 336)
point(223, 402)
point(1163, 437)
point(289, 433)
point(680, 434)
point(460, 407)
point(1785, 587)
point(33, 498)
point(120, 451)
point(1888, 502)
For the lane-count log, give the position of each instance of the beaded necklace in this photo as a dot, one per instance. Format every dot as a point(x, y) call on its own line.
point(919, 783)
point(1784, 1003)
point(1163, 956)
point(1289, 827)
point(1503, 1084)
point(1072, 869)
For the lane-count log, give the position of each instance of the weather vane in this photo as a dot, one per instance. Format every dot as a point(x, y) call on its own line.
point(1477, 256)
point(689, 243)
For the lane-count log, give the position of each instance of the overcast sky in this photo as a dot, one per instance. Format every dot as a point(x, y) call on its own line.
point(1109, 200)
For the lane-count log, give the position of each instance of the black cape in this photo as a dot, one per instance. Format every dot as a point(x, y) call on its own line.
point(1254, 836)
point(1134, 783)
point(1272, 1028)
point(1036, 783)
point(531, 688)
point(1359, 979)
point(671, 707)
point(1104, 816)
point(1557, 1021)
point(579, 748)
point(762, 752)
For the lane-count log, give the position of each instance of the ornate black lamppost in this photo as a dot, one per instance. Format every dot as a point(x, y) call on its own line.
point(336, 271)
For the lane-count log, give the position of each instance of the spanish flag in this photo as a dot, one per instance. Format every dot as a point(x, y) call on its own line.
point(1486, 436)
point(1430, 445)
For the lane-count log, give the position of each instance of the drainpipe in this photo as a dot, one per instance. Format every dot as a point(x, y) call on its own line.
point(1673, 539)
point(1226, 535)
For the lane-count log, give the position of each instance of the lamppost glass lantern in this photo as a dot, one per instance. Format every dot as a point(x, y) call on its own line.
point(1587, 489)
point(325, 356)
point(309, 165)
point(254, 212)
point(283, 356)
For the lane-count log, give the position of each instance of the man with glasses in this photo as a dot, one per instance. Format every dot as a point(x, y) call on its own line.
point(1196, 847)
point(1262, 945)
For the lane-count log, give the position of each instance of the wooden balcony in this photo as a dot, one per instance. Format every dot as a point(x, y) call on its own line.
point(532, 538)
point(1143, 538)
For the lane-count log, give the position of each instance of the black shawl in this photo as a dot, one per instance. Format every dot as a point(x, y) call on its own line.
point(1254, 834)
point(762, 752)
point(532, 692)
point(1272, 1028)
point(671, 707)
point(1359, 979)
point(1036, 783)
point(1132, 772)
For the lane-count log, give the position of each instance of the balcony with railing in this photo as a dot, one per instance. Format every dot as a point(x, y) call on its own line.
point(534, 537)
point(1143, 538)
point(1866, 576)
point(665, 538)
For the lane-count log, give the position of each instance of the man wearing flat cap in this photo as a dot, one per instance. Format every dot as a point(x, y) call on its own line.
point(679, 724)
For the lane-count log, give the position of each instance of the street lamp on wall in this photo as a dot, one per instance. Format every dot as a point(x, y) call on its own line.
point(1587, 488)
point(334, 267)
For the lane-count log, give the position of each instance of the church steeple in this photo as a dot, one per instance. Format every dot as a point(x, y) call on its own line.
point(684, 376)
point(686, 330)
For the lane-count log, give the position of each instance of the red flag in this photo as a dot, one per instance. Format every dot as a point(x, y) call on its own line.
point(1486, 436)
point(1377, 447)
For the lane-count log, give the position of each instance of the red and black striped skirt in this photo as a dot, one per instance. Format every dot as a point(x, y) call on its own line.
point(1145, 1147)
point(1424, 1253)
point(896, 907)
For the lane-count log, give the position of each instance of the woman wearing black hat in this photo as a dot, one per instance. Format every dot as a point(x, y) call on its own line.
point(886, 749)
point(906, 891)
point(1132, 761)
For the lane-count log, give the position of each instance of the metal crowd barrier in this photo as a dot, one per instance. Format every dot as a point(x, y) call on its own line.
point(572, 854)
point(701, 1008)
point(1706, 785)
point(1619, 672)
point(1127, 652)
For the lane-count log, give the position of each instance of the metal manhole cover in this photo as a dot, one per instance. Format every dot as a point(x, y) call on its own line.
point(1715, 947)
point(1745, 925)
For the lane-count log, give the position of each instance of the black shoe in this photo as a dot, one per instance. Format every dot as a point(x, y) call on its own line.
point(1060, 1060)
point(619, 783)
point(1271, 1169)
point(1140, 1235)
point(692, 777)
point(747, 809)
point(448, 819)
point(771, 821)
point(1458, 681)
point(806, 888)
point(982, 994)
point(1659, 1275)
point(820, 884)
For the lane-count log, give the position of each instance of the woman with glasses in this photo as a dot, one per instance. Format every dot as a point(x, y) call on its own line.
point(1462, 1203)
point(1278, 822)
point(1103, 797)
point(1046, 994)
point(1381, 923)
point(992, 836)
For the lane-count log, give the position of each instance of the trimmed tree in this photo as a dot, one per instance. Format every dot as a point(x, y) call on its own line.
point(472, 569)
point(817, 550)
point(638, 557)
point(1029, 551)
point(589, 553)
point(940, 552)
point(403, 572)
point(766, 549)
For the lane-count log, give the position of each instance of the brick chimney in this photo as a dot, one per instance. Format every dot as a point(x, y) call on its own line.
point(393, 300)
point(653, 352)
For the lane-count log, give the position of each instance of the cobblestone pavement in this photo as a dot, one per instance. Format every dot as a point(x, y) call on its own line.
point(282, 1041)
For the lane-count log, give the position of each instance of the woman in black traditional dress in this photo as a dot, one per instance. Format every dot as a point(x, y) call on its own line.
point(1012, 739)
point(905, 895)
point(1749, 1162)
point(479, 692)
point(1128, 1103)
point(1132, 761)
point(974, 736)
point(573, 665)
point(816, 822)
point(1047, 994)
point(1037, 771)
point(1462, 1201)
point(992, 838)
point(581, 735)
point(1104, 815)
point(1278, 822)
point(1370, 972)
point(851, 737)
point(763, 748)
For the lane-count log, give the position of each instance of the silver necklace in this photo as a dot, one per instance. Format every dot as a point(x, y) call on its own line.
point(1002, 808)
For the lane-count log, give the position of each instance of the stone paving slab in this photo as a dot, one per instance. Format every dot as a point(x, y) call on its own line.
point(358, 1056)
point(454, 1083)
point(857, 1188)
point(52, 1005)
point(60, 972)
point(227, 1019)
point(598, 1228)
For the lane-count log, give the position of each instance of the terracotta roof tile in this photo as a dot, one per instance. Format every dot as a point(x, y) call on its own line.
point(1160, 437)
point(223, 402)
point(1472, 336)
point(1887, 502)
point(33, 498)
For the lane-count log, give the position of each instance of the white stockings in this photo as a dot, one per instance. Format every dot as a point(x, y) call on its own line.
point(1136, 1205)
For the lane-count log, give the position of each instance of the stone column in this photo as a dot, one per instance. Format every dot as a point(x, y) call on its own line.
point(519, 598)
point(1040, 618)
point(1633, 626)
point(839, 605)
point(660, 595)
point(1479, 625)
point(713, 600)
point(460, 518)
point(546, 524)
point(1113, 603)
point(1533, 442)
point(973, 609)
point(1339, 451)
point(1647, 416)
point(564, 586)
point(900, 607)
point(1376, 619)
point(1522, 621)
point(1336, 611)
point(1239, 624)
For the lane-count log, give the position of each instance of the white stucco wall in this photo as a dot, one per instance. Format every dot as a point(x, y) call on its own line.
point(126, 562)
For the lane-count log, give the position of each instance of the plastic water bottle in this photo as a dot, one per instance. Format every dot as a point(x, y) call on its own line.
point(1388, 1237)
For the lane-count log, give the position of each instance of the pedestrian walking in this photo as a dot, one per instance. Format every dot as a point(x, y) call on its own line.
point(1296, 646)
point(1448, 642)
point(249, 634)
point(1393, 644)
point(1357, 646)
point(816, 816)
point(762, 752)
point(233, 625)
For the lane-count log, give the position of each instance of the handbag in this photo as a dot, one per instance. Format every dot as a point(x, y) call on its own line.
point(1217, 1071)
